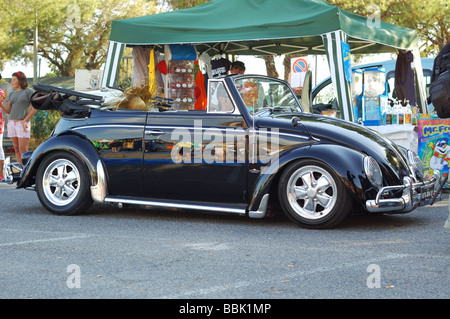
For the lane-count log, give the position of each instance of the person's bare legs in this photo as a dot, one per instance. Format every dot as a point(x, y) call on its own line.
point(15, 141)
point(23, 147)
point(20, 146)
point(2, 162)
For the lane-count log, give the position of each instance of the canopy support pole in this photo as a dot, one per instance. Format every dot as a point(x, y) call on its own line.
point(333, 48)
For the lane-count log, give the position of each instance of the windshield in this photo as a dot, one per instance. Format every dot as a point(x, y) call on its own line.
point(261, 94)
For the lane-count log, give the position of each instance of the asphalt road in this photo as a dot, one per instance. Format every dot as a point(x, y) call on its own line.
point(130, 253)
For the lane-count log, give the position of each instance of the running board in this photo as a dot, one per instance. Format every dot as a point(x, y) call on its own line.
point(239, 209)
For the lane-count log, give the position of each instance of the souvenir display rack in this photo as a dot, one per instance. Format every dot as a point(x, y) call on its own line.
point(181, 84)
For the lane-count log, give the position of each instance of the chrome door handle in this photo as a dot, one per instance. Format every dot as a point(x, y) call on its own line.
point(154, 132)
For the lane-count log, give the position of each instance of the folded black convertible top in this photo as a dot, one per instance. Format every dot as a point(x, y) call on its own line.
point(68, 93)
point(70, 103)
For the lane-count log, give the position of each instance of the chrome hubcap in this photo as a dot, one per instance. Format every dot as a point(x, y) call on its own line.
point(311, 192)
point(61, 182)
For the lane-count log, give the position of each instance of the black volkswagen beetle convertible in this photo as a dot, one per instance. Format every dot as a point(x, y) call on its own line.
point(253, 149)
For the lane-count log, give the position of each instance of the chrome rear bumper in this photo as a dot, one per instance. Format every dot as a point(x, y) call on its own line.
point(413, 195)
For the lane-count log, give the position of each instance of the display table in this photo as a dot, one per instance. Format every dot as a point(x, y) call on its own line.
point(404, 135)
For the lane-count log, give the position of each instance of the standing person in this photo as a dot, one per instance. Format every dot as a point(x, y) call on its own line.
point(20, 112)
point(2, 126)
point(237, 67)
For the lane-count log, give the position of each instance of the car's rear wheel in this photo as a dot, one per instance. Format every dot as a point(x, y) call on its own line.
point(312, 195)
point(62, 184)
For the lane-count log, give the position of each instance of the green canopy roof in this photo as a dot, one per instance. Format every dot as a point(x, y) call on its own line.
point(261, 27)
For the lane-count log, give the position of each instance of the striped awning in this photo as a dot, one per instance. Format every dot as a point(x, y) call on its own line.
point(111, 71)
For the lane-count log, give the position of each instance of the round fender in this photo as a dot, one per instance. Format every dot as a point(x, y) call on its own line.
point(72, 143)
point(346, 162)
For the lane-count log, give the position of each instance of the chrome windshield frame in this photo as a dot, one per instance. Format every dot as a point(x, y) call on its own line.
point(262, 78)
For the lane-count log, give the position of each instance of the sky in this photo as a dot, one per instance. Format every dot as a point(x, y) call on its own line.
point(12, 67)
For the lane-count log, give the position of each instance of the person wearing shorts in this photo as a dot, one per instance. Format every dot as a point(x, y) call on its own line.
point(20, 112)
point(2, 154)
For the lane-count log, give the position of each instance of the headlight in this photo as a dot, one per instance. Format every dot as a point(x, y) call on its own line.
point(415, 164)
point(373, 171)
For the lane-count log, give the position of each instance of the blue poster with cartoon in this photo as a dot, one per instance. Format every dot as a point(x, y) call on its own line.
point(347, 61)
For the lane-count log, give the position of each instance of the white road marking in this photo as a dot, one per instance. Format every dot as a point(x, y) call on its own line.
point(35, 241)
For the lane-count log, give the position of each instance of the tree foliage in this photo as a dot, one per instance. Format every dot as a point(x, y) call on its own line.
point(431, 18)
point(18, 20)
point(183, 4)
point(72, 33)
point(43, 123)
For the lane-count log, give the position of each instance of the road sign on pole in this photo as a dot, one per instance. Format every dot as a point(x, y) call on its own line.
point(299, 65)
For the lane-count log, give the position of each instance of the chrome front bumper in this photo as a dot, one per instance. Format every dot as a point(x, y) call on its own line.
point(11, 171)
point(413, 195)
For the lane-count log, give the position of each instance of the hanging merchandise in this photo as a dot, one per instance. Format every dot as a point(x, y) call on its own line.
point(181, 76)
point(347, 61)
point(141, 58)
point(405, 85)
point(182, 52)
point(162, 67)
point(152, 73)
point(220, 67)
point(205, 59)
point(200, 92)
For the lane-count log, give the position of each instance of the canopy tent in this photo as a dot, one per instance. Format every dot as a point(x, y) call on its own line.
point(264, 27)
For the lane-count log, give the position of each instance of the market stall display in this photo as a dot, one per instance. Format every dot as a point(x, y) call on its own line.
point(180, 80)
point(374, 100)
point(259, 28)
point(181, 84)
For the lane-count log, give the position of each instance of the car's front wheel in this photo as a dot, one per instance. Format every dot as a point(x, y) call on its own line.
point(312, 195)
point(62, 184)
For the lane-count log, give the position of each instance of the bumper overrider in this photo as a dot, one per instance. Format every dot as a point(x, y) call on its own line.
point(413, 195)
